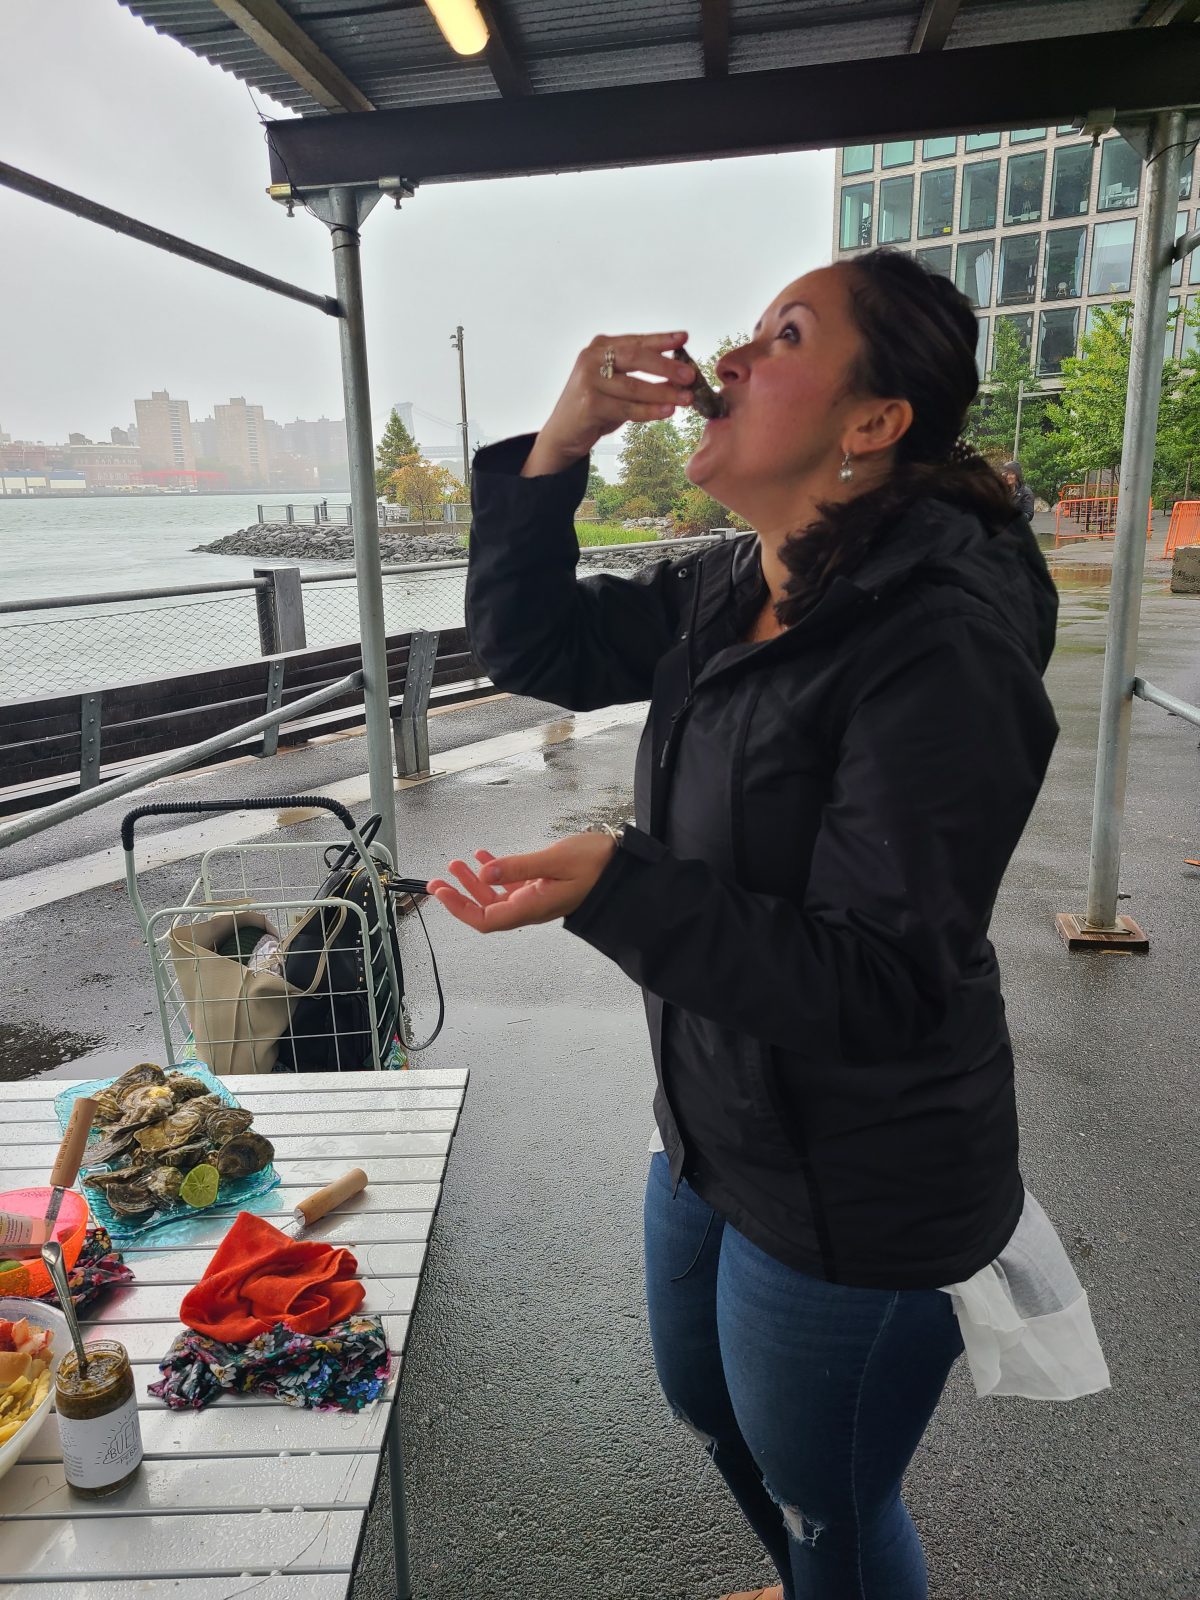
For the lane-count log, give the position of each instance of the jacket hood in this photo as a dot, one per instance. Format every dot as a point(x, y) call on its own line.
point(945, 544)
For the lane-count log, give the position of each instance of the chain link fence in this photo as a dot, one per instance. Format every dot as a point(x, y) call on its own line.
point(83, 645)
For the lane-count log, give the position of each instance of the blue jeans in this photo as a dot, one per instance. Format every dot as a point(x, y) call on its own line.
point(810, 1397)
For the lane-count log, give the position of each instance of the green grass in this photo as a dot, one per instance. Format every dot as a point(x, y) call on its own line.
point(595, 533)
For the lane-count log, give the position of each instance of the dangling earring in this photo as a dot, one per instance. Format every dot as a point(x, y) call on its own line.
point(846, 471)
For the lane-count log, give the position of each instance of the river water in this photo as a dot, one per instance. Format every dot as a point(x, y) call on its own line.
point(87, 547)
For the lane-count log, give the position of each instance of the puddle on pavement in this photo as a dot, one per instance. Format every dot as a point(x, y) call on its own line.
point(27, 1050)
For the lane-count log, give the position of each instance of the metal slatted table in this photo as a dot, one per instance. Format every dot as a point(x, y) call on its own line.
point(247, 1496)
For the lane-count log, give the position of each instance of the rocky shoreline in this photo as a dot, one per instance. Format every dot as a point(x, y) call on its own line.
point(333, 542)
point(280, 541)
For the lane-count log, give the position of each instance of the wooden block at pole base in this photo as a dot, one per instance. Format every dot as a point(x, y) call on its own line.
point(1078, 936)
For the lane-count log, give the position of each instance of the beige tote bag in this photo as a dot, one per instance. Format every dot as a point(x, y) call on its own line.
point(237, 1016)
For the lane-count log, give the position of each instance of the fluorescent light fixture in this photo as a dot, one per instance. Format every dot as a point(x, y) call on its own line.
point(462, 25)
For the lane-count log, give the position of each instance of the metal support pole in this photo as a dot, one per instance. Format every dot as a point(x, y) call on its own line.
point(79, 206)
point(1151, 288)
point(347, 210)
point(412, 723)
point(270, 744)
point(280, 606)
point(456, 339)
point(1017, 430)
point(89, 740)
point(399, 1511)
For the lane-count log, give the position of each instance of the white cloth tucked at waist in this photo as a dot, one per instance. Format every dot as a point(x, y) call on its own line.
point(1025, 1321)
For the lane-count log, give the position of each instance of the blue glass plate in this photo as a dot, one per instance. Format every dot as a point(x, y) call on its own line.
point(232, 1196)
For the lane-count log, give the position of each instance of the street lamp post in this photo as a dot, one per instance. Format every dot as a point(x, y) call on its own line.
point(456, 340)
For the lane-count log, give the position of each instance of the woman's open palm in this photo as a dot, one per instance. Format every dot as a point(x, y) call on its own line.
point(509, 892)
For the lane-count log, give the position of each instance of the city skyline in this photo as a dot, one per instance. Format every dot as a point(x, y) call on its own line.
point(236, 448)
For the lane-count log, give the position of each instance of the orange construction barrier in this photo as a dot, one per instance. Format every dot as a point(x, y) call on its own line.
point(1089, 517)
point(1185, 526)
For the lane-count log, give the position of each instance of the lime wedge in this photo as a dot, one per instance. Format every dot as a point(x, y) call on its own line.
point(199, 1188)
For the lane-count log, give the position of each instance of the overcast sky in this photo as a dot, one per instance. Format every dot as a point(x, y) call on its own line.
point(532, 267)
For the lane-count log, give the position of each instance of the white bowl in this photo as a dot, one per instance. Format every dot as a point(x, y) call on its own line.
point(42, 1316)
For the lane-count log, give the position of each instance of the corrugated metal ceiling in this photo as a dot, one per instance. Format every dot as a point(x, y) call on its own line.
point(395, 55)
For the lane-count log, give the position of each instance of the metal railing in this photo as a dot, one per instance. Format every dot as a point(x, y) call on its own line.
point(66, 644)
point(319, 514)
point(177, 761)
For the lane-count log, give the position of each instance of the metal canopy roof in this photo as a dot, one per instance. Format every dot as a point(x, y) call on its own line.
point(567, 84)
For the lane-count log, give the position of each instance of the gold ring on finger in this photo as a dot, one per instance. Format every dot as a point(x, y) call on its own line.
point(608, 367)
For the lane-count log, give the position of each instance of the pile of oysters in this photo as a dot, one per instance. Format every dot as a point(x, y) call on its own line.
point(158, 1128)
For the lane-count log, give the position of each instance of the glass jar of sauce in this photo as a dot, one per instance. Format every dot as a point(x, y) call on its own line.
point(98, 1419)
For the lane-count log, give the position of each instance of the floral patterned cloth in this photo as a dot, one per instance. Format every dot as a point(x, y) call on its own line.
point(99, 1265)
point(343, 1369)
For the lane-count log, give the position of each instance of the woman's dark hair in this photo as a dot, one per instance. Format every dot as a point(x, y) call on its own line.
point(918, 344)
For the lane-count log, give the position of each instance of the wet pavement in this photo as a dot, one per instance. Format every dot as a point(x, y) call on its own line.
point(541, 1460)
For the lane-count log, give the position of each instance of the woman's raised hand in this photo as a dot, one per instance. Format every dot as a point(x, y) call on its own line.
point(518, 891)
point(594, 403)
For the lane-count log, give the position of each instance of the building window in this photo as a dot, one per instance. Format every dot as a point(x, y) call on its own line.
point(1181, 223)
point(936, 258)
point(980, 189)
point(1026, 135)
point(1022, 325)
point(1018, 269)
point(1066, 127)
point(1062, 273)
point(981, 347)
point(899, 153)
point(1185, 178)
point(1120, 176)
point(895, 210)
point(1071, 181)
point(856, 215)
point(974, 273)
point(1194, 259)
point(1056, 338)
point(1023, 188)
point(981, 141)
point(937, 149)
point(937, 202)
point(1112, 257)
point(858, 158)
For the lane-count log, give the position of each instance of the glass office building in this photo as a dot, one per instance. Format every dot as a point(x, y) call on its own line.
point(1037, 225)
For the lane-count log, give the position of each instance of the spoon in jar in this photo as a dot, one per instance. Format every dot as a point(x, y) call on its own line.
point(62, 1176)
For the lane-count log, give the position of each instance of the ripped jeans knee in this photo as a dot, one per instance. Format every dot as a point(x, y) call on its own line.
point(706, 1439)
point(804, 1529)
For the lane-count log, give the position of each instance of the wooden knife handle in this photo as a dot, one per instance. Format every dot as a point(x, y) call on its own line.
point(70, 1151)
point(317, 1205)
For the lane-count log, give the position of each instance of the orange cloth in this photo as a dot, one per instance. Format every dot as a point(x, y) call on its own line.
point(259, 1277)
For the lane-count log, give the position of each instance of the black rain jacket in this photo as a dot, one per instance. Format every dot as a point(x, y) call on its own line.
point(822, 824)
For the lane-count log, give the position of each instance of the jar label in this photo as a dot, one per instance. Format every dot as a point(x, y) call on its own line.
point(101, 1450)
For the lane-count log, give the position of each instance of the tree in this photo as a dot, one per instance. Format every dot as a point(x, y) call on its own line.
point(423, 487)
point(652, 464)
point(1178, 456)
point(610, 499)
point(594, 484)
point(992, 423)
point(1090, 413)
point(697, 512)
point(394, 449)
